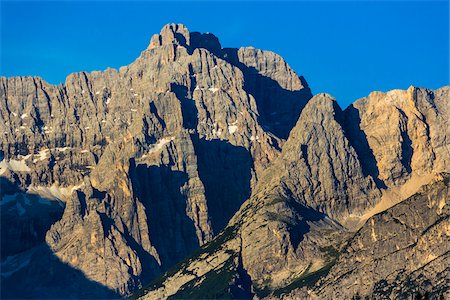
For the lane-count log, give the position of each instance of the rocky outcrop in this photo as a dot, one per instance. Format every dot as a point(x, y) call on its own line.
point(400, 253)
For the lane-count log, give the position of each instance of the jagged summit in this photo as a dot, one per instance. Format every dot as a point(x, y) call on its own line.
point(179, 34)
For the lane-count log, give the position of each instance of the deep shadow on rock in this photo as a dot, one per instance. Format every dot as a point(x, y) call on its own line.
point(46, 277)
point(29, 268)
point(279, 108)
point(358, 141)
point(25, 218)
point(225, 171)
point(172, 232)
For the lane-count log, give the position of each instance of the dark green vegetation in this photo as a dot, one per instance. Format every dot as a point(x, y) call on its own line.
point(213, 285)
point(308, 278)
point(226, 235)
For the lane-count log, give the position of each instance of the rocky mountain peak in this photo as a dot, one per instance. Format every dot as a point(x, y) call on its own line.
point(179, 34)
point(171, 34)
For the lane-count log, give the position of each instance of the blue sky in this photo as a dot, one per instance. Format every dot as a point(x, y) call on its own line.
point(347, 49)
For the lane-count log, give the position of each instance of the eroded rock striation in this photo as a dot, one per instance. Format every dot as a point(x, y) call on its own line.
point(213, 172)
point(147, 162)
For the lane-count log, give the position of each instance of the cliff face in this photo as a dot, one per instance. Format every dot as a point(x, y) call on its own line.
point(322, 187)
point(194, 149)
point(147, 162)
point(400, 253)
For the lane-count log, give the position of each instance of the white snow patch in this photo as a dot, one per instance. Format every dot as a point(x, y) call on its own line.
point(97, 93)
point(213, 89)
point(14, 165)
point(53, 192)
point(63, 149)
point(8, 199)
point(20, 210)
point(131, 89)
point(44, 201)
point(232, 129)
point(12, 264)
point(86, 128)
point(22, 127)
point(14, 114)
point(107, 101)
point(23, 116)
point(217, 132)
point(158, 145)
point(134, 110)
point(84, 151)
point(135, 94)
point(254, 138)
point(197, 88)
point(103, 121)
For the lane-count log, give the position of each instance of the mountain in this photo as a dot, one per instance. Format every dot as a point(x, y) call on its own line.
point(202, 172)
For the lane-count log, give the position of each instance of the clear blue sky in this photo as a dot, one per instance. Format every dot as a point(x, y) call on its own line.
point(347, 49)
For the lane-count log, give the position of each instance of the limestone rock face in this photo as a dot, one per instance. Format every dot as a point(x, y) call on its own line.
point(306, 204)
point(400, 253)
point(215, 158)
point(145, 164)
point(405, 132)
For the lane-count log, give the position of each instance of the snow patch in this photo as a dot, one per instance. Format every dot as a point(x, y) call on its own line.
point(158, 145)
point(63, 149)
point(8, 199)
point(232, 129)
point(97, 93)
point(12, 264)
point(107, 101)
point(134, 110)
point(14, 165)
point(53, 192)
point(213, 89)
point(23, 116)
point(14, 114)
point(254, 138)
point(217, 132)
point(20, 210)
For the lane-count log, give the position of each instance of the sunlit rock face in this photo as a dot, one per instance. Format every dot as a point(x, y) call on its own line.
point(142, 165)
point(220, 155)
